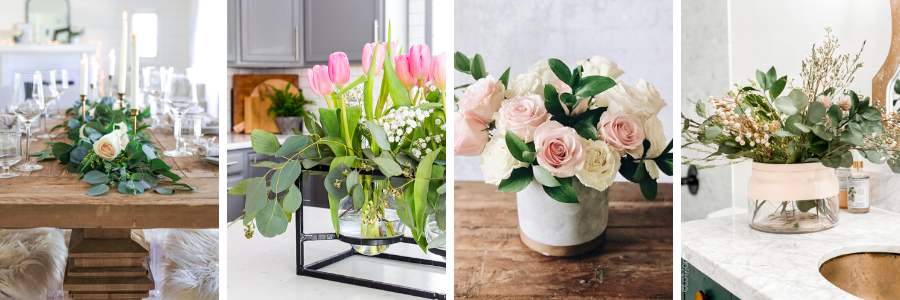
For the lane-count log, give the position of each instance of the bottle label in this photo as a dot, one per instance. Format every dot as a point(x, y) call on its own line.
point(858, 193)
point(843, 176)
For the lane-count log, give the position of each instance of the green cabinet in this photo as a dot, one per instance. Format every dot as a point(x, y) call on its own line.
point(692, 281)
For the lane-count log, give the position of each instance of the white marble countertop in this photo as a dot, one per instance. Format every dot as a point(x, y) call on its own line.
point(237, 141)
point(265, 268)
point(756, 265)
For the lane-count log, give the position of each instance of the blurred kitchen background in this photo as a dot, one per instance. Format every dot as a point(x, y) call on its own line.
point(186, 35)
point(725, 42)
point(274, 42)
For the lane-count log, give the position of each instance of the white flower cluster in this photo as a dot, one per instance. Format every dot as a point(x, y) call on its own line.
point(401, 122)
point(355, 96)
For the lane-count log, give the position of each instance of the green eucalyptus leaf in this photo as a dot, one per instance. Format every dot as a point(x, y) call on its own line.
point(265, 164)
point(164, 191)
point(264, 143)
point(271, 220)
point(97, 190)
point(96, 177)
point(293, 144)
point(815, 112)
point(292, 200)
point(286, 176)
point(257, 195)
point(388, 166)
point(378, 134)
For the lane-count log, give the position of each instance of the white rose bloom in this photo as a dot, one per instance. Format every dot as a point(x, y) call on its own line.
point(81, 133)
point(642, 101)
point(120, 126)
point(599, 65)
point(123, 137)
point(496, 161)
point(542, 69)
point(527, 83)
point(600, 166)
point(108, 147)
point(653, 132)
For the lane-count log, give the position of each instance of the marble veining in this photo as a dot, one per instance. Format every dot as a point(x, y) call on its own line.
point(756, 265)
point(883, 185)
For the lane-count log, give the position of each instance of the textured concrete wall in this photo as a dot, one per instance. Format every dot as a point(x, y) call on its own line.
point(704, 72)
point(517, 33)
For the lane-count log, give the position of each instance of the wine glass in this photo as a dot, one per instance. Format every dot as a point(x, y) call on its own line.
point(28, 104)
point(60, 90)
point(180, 96)
point(50, 96)
point(192, 130)
point(10, 151)
point(152, 86)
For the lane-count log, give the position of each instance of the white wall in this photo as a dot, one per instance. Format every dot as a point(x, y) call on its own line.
point(517, 33)
point(766, 33)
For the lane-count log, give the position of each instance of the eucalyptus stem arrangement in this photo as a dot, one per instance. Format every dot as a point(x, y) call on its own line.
point(382, 155)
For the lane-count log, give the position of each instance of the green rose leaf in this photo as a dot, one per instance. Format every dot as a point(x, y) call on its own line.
point(544, 177)
point(264, 143)
point(564, 192)
point(517, 181)
point(271, 220)
point(649, 188)
point(560, 69)
point(257, 195)
point(477, 67)
point(592, 85)
point(517, 146)
point(461, 62)
point(505, 78)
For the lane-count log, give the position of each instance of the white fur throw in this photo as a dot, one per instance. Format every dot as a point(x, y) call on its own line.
point(192, 265)
point(31, 262)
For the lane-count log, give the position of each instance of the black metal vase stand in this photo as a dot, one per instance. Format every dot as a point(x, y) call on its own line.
point(315, 269)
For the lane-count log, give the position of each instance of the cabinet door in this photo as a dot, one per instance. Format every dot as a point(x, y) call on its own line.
point(236, 172)
point(323, 36)
point(270, 31)
point(232, 30)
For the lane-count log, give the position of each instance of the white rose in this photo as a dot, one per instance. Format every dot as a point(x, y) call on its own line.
point(120, 126)
point(523, 84)
point(600, 165)
point(653, 132)
point(599, 65)
point(81, 133)
point(496, 161)
point(642, 101)
point(542, 69)
point(108, 147)
point(123, 137)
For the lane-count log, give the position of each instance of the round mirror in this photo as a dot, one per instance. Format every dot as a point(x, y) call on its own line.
point(50, 19)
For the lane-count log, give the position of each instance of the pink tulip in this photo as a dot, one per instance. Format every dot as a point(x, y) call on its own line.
point(401, 64)
point(318, 80)
point(439, 70)
point(367, 57)
point(339, 68)
point(419, 61)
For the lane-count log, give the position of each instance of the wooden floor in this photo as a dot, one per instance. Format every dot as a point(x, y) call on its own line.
point(52, 197)
point(492, 263)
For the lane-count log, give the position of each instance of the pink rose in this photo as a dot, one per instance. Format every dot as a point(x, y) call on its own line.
point(622, 131)
point(522, 115)
point(559, 149)
point(482, 99)
point(470, 136)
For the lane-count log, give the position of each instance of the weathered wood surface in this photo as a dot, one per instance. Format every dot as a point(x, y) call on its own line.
point(491, 262)
point(52, 197)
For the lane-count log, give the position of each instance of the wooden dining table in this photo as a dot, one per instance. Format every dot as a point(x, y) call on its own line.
point(491, 262)
point(108, 255)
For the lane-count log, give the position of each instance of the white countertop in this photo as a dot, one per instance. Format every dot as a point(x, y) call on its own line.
point(756, 265)
point(270, 263)
point(237, 141)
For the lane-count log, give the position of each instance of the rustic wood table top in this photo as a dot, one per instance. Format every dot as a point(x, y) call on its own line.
point(52, 197)
point(491, 262)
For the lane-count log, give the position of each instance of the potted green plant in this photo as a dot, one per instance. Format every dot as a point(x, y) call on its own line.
point(287, 109)
point(75, 36)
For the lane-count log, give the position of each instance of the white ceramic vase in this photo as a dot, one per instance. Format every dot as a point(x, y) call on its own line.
point(562, 229)
point(792, 198)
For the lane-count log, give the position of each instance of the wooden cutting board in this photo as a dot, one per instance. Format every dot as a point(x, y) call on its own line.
point(256, 106)
point(245, 84)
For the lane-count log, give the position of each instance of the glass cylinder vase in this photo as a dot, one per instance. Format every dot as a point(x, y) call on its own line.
point(371, 220)
point(792, 198)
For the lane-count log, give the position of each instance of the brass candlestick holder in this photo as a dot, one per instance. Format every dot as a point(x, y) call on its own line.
point(134, 114)
point(121, 100)
point(83, 109)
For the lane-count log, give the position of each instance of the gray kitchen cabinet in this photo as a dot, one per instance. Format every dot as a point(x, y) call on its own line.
point(270, 31)
point(328, 27)
point(232, 30)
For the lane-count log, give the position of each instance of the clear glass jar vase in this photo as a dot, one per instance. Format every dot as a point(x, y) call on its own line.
point(792, 198)
point(372, 220)
point(432, 230)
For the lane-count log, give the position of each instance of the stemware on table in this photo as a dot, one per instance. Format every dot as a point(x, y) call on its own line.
point(60, 90)
point(180, 96)
point(51, 94)
point(152, 86)
point(10, 151)
point(28, 104)
point(191, 130)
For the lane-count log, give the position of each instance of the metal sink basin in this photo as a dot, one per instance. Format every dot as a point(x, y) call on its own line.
point(868, 275)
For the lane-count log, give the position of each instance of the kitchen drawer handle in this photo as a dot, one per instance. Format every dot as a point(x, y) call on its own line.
point(231, 163)
point(296, 43)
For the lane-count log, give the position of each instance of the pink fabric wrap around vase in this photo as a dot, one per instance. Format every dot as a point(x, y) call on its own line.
point(791, 182)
